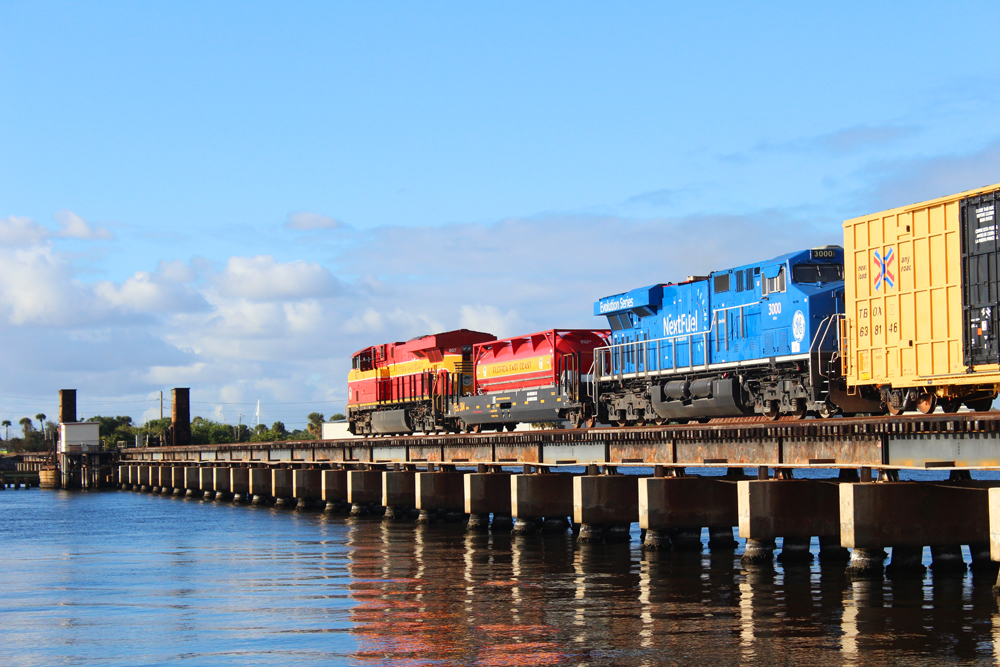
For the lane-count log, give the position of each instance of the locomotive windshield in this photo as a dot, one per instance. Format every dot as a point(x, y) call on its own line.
point(817, 273)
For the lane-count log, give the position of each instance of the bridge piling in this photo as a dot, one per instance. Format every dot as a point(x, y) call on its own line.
point(334, 490)
point(440, 492)
point(260, 486)
point(206, 483)
point(537, 496)
point(673, 510)
point(487, 493)
point(307, 488)
point(399, 494)
point(794, 510)
point(239, 484)
point(177, 478)
point(605, 506)
point(281, 487)
point(192, 482)
point(222, 482)
point(364, 491)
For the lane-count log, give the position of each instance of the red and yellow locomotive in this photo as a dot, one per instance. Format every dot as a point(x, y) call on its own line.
point(402, 387)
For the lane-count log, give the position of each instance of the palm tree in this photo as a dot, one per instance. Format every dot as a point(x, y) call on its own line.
point(25, 423)
point(41, 422)
point(6, 425)
point(315, 426)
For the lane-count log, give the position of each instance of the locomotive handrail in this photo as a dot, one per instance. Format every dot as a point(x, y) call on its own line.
point(609, 352)
point(822, 331)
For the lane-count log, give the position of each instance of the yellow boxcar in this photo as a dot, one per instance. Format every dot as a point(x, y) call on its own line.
point(921, 303)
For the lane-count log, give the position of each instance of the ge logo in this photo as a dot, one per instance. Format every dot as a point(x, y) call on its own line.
point(799, 326)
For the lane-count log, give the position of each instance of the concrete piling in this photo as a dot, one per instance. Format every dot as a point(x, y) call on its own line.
point(758, 551)
point(177, 479)
point(794, 510)
point(906, 561)
point(441, 492)
point(364, 490)
point(281, 487)
point(222, 482)
point(307, 488)
point(487, 493)
point(260, 486)
point(399, 494)
point(334, 489)
point(673, 510)
point(206, 481)
point(192, 482)
point(536, 496)
point(605, 506)
point(947, 559)
point(239, 484)
point(867, 563)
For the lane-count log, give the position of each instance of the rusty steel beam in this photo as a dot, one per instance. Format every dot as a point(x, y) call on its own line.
point(923, 441)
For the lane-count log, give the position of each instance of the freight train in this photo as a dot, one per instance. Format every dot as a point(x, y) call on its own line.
point(905, 315)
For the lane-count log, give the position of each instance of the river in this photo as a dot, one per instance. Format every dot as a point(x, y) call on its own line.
point(122, 578)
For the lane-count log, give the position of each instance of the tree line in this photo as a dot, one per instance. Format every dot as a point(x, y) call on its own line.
point(122, 431)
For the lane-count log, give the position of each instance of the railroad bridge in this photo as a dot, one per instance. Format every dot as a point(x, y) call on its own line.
point(607, 479)
point(601, 481)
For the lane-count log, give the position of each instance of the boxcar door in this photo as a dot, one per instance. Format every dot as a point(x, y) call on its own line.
point(980, 279)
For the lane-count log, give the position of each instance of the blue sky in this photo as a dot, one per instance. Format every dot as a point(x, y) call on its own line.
point(236, 196)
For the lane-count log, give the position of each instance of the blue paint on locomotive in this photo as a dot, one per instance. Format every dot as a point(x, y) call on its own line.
point(747, 314)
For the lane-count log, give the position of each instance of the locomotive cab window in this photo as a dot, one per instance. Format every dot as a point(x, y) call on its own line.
point(773, 280)
point(817, 273)
point(362, 362)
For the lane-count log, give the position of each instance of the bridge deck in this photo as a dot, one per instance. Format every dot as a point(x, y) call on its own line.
point(957, 441)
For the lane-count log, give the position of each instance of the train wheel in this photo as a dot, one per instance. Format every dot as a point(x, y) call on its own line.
point(511, 426)
point(895, 412)
point(662, 421)
point(980, 404)
point(620, 423)
point(773, 411)
point(800, 408)
point(476, 428)
point(927, 403)
point(951, 406)
point(827, 411)
point(592, 422)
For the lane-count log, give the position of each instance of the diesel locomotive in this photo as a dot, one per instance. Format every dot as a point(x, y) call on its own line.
point(760, 338)
point(470, 381)
point(905, 315)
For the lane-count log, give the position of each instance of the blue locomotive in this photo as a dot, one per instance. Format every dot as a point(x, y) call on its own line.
point(759, 338)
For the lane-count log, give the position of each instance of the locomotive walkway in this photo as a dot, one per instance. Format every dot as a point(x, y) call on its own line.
point(516, 476)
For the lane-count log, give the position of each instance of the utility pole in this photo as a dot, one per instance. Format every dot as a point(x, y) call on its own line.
point(161, 404)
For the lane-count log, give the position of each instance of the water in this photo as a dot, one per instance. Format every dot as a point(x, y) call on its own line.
point(121, 578)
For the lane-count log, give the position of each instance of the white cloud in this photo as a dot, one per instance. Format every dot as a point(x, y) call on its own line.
point(37, 287)
point(73, 226)
point(491, 320)
point(261, 278)
point(146, 292)
point(16, 231)
point(306, 221)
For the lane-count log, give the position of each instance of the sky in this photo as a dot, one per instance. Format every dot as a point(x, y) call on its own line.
point(236, 196)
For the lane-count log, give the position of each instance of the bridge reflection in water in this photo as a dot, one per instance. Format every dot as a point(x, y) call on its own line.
point(433, 594)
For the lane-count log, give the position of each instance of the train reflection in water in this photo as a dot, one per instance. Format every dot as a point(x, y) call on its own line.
point(431, 594)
